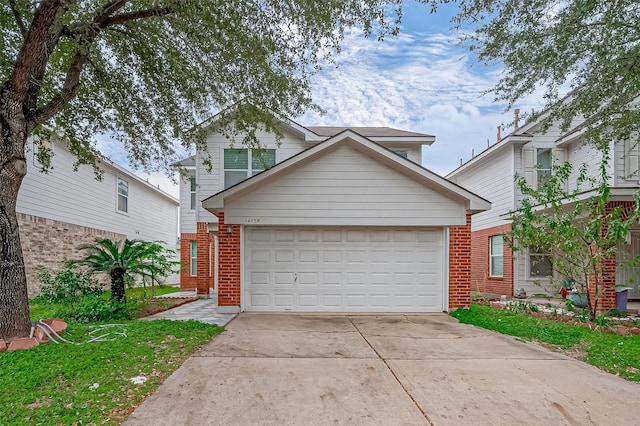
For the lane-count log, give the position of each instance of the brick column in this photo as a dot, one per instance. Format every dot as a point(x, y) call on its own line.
point(204, 259)
point(460, 265)
point(228, 266)
point(481, 281)
point(606, 298)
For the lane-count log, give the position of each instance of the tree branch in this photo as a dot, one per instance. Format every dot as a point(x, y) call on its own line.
point(19, 21)
point(134, 16)
point(68, 92)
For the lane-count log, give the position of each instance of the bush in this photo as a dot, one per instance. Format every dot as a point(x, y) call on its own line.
point(67, 286)
point(97, 309)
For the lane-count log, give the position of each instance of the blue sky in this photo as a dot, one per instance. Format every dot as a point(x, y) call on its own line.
point(421, 81)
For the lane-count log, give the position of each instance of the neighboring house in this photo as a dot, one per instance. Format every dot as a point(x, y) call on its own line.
point(61, 209)
point(328, 219)
point(530, 152)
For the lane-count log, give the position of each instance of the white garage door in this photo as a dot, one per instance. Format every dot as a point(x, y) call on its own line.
point(343, 270)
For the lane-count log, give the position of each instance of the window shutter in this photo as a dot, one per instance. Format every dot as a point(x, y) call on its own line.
point(631, 159)
point(559, 158)
point(529, 165)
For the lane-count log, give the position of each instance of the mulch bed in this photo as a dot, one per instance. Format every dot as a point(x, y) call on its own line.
point(153, 308)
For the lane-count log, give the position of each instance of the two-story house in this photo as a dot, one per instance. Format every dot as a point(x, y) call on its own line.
point(326, 219)
point(62, 209)
point(530, 152)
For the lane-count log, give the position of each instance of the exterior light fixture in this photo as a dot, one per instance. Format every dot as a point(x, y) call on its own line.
point(229, 229)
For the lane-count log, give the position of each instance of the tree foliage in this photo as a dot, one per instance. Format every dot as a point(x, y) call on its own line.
point(578, 232)
point(148, 72)
point(590, 47)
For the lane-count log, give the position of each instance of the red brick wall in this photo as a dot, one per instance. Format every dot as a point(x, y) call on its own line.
point(228, 264)
point(204, 280)
point(187, 282)
point(607, 294)
point(480, 279)
point(460, 265)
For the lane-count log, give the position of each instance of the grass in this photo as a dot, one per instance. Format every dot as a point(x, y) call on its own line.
point(55, 383)
point(616, 354)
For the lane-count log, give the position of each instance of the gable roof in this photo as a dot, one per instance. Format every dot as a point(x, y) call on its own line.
point(474, 203)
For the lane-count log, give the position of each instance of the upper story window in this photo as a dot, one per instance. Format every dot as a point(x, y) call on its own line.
point(192, 189)
point(403, 153)
point(123, 196)
point(543, 165)
point(496, 250)
point(537, 164)
point(239, 164)
point(632, 159)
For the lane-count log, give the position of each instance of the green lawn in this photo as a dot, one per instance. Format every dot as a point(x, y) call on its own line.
point(608, 351)
point(90, 383)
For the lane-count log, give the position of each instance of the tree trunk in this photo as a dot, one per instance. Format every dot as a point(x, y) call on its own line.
point(14, 302)
point(117, 284)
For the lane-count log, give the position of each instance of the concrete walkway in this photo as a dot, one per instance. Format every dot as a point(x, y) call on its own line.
point(291, 369)
point(204, 310)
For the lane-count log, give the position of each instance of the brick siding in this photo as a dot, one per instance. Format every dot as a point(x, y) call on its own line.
point(480, 279)
point(228, 264)
point(49, 243)
point(460, 265)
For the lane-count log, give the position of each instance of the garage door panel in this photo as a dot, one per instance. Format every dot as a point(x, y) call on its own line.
point(301, 269)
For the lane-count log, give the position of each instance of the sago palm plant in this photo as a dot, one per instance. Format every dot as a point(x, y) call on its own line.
point(131, 258)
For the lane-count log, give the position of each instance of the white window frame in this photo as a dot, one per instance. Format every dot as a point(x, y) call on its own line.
point(124, 196)
point(496, 256)
point(250, 170)
point(539, 169)
point(192, 192)
point(402, 153)
point(193, 258)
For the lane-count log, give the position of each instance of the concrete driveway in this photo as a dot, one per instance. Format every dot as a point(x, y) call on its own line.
point(291, 369)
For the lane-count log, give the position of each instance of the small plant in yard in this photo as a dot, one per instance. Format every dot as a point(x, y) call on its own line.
point(68, 286)
point(90, 383)
point(603, 349)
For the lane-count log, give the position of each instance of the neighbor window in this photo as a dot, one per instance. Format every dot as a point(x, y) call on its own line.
point(495, 256)
point(539, 263)
point(123, 195)
point(240, 164)
point(544, 165)
point(193, 258)
point(192, 183)
point(402, 153)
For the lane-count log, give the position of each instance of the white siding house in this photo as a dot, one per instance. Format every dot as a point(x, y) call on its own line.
point(530, 152)
point(61, 209)
point(325, 219)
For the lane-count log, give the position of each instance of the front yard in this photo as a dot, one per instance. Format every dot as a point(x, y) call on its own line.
point(602, 348)
point(101, 382)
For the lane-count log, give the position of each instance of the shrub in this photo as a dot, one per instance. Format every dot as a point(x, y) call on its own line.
point(67, 286)
point(97, 309)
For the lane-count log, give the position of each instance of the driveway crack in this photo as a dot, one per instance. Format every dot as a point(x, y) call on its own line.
point(397, 379)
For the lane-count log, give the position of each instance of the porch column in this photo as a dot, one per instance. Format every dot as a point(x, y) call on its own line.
point(228, 266)
point(204, 256)
point(460, 265)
